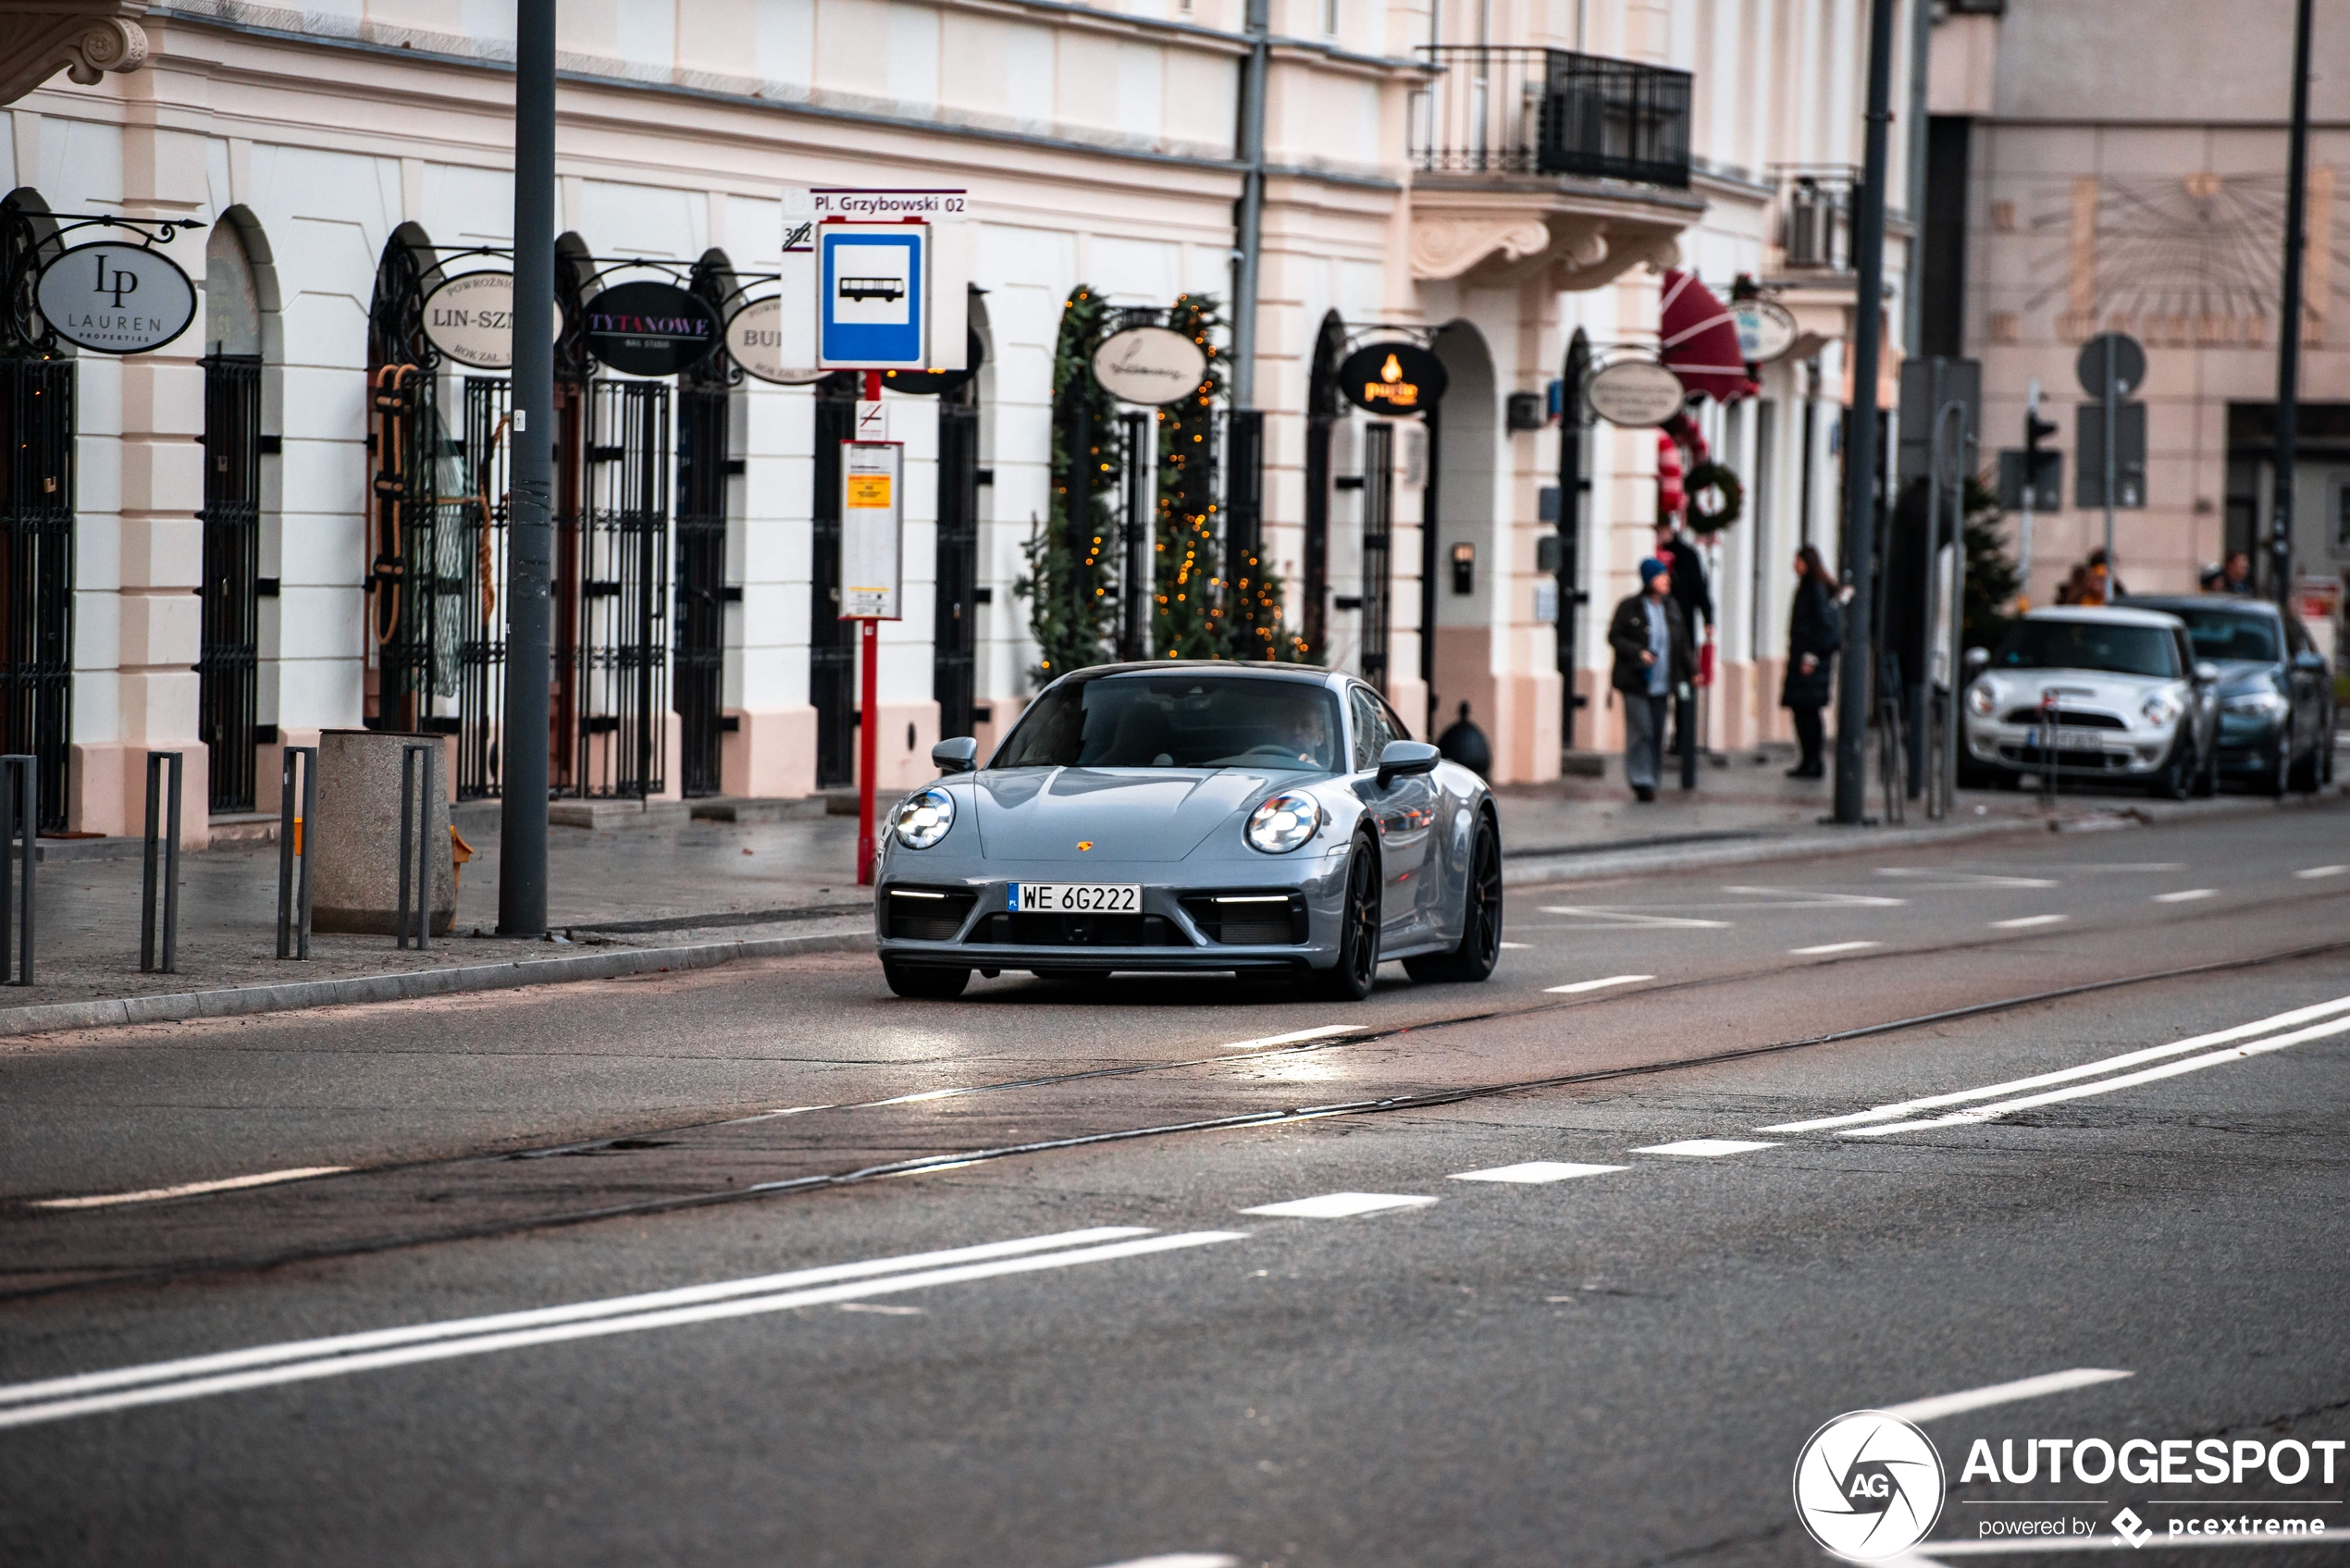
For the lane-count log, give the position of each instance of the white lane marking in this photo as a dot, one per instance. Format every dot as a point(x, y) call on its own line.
point(189, 1190)
point(1596, 984)
point(1293, 1036)
point(1534, 1172)
point(914, 1099)
point(482, 1344)
point(2069, 1075)
point(2002, 1393)
point(1339, 1206)
point(876, 1306)
point(1181, 1559)
point(1809, 898)
point(1964, 879)
point(769, 1115)
point(2022, 921)
point(2316, 871)
point(2107, 1086)
point(612, 1306)
point(1626, 920)
point(1831, 947)
point(2186, 896)
point(1516, 946)
point(1706, 1148)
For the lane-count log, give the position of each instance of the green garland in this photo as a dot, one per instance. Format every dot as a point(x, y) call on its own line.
point(1071, 584)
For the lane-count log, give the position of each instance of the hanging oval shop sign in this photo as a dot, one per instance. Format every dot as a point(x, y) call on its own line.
point(1149, 364)
point(1393, 379)
point(471, 319)
point(1766, 330)
point(755, 341)
point(1635, 391)
point(114, 299)
point(648, 328)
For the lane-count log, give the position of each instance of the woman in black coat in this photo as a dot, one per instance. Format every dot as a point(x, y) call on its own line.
point(1815, 630)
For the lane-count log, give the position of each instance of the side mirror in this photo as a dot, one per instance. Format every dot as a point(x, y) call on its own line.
point(2206, 673)
point(958, 756)
point(2309, 658)
point(1402, 757)
point(1976, 661)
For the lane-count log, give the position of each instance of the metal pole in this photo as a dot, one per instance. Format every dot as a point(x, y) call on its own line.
point(1140, 577)
point(1954, 728)
point(1860, 451)
point(1936, 735)
point(2296, 241)
point(2031, 485)
point(2112, 402)
point(407, 843)
point(522, 849)
point(1249, 239)
point(1914, 283)
point(868, 742)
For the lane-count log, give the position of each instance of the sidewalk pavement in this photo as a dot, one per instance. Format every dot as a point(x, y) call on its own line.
point(669, 893)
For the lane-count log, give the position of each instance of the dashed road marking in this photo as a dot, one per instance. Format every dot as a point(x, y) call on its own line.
point(1181, 1559)
point(1629, 919)
point(1581, 985)
point(1339, 1206)
point(1516, 946)
point(1318, 1033)
point(192, 1188)
point(1706, 1148)
point(2003, 1394)
point(1535, 1172)
point(2024, 921)
point(2313, 872)
point(1826, 948)
point(2186, 896)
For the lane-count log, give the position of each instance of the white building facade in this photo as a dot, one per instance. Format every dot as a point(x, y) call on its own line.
point(268, 528)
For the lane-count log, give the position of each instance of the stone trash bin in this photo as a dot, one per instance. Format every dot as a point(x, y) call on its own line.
point(356, 834)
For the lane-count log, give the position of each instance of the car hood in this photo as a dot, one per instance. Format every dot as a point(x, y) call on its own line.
point(2240, 676)
point(1125, 813)
point(2091, 687)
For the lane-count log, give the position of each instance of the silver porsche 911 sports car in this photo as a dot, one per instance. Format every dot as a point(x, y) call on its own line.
point(1194, 816)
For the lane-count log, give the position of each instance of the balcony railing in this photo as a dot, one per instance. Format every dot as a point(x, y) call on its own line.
point(1815, 216)
point(1496, 110)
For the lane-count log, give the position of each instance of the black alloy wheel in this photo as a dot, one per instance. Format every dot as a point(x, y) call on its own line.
point(2207, 778)
point(1480, 945)
point(2171, 784)
point(924, 982)
point(1350, 978)
point(2271, 781)
point(2304, 774)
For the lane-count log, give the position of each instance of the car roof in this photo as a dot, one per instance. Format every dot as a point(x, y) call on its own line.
point(1251, 669)
point(2237, 603)
point(2111, 615)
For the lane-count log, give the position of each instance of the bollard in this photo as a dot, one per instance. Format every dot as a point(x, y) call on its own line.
point(293, 908)
point(415, 842)
point(159, 765)
point(19, 824)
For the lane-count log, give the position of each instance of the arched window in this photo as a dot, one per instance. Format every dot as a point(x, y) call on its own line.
point(228, 663)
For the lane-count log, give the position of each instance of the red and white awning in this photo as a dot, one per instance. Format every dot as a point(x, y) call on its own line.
point(1699, 340)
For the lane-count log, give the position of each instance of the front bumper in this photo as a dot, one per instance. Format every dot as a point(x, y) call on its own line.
point(2115, 753)
point(1178, 929)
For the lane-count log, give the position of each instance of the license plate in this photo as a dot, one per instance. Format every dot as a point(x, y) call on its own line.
point(1076, 898)
point(2064, 740)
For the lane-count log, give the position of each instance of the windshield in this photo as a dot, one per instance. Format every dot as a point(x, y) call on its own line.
point(2220, 635)
point(2088, 645)
point(1179, 721)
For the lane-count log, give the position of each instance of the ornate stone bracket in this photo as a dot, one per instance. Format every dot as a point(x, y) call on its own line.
point(1447, 245)
point(85, 41)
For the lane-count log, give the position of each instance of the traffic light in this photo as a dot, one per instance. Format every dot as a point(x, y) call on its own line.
point(2035, 476)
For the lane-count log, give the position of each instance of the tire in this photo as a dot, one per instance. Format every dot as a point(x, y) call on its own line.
point(1350, 978)
point(2271, 781)
point(2302, 777)
point(1481, 944)
point(2207, 780)
point(924, 983)
point(2171, 783)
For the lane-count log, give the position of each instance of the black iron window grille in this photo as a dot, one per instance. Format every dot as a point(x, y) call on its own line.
point(832, 642)
point(1510, 110)
point(480, 518)
point(36, 519)
point(621, 658)
point(699, 658)
point(954, 626)
point(229, 650)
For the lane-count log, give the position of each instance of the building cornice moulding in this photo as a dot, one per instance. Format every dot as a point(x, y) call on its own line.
point(85, 38)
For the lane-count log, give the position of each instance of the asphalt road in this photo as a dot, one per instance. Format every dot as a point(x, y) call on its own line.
point(1004, 1300)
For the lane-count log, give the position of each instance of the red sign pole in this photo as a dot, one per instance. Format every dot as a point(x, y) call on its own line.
point(868, 742)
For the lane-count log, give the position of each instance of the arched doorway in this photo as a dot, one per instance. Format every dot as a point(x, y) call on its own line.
point(36, 511)
point(412, 634)
point(1471, 605)
point(1321, 417)
point(229, 656)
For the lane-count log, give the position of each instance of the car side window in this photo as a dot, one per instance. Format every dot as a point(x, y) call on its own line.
point(1371, 733)
point(1396, 728)
point(2296, 638)
point(2187, 652)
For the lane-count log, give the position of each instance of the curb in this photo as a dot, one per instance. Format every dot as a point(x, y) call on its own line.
point(244, 1000)
point(1559, 869)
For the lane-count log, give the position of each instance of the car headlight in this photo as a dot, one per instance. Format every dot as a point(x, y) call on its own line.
point(1283, 822)
point(2160, 710)
point(2259, 704)
point(922, 819)
point(1980, 700)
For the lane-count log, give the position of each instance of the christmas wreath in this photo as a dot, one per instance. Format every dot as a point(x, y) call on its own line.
point(1717, 498)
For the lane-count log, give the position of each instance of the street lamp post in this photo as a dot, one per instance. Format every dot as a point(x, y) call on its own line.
point(522, 849)
point(1861, 444)
point(2296, 241)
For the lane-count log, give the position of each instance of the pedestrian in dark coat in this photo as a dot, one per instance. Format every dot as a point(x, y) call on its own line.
point(1655, 661)
point(1814, 633)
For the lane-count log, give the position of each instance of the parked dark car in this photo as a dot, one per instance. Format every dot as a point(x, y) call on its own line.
point(2276, 695)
